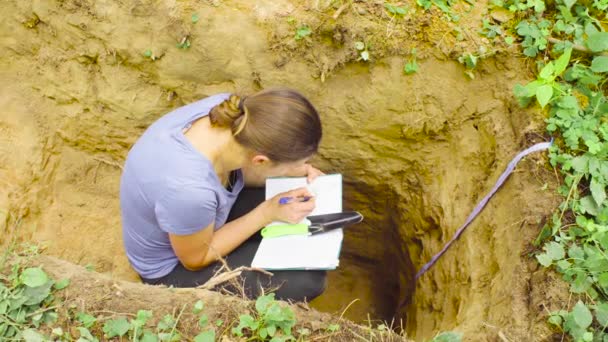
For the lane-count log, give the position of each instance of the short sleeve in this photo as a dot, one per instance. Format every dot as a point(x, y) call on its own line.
point(186, 211)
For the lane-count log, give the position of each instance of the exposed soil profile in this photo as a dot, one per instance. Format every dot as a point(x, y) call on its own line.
point(417, 152)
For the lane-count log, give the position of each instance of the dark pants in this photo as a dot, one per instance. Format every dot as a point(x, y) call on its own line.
point(292, 285)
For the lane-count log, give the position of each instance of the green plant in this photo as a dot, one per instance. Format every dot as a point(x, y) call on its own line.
point(363, 51)
point(395, 10)
point(26, 302)
point(490, 30)
point(271, 321)
point(447, 336)
point(572, 88)
point(534, 36)
point(545, 86)
point(184, 43)
point(411, 66)
point(302, 32)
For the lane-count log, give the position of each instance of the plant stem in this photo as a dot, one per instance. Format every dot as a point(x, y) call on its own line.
point(576, 47)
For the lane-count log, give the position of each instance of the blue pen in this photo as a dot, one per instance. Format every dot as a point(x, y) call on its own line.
point(286, 200)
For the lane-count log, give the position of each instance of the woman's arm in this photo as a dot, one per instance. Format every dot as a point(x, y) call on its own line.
point(204, 247)
point(195, 251)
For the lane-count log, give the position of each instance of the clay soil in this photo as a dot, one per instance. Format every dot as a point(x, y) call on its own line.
point(417, 152)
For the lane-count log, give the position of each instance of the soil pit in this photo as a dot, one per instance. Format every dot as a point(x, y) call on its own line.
point(417, 152)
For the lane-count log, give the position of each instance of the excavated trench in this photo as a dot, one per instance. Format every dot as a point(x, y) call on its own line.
point(416, 153)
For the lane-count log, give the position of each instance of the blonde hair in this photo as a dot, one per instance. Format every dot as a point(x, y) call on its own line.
point(279, 123)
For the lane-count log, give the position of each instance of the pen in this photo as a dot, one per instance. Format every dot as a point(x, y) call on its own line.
point(286, 200)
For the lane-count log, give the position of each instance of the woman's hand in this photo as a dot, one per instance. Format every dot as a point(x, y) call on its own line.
point(312, 173)
point(301, 204)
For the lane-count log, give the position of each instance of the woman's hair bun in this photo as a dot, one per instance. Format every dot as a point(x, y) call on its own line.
point(228, 112)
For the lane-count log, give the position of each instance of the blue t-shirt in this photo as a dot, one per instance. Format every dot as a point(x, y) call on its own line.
point(167, 186)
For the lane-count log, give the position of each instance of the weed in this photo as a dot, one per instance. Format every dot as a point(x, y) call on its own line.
point(363, 51)
point(573, 90)
point(26, 302)
point(395, 10)
point(302, 32)
point(448, 336)
point(535, 36)
point(184, 43)
point(411, 66)
point(333, 327)
point(490, 30)
point(271, 321)
point(195, 18)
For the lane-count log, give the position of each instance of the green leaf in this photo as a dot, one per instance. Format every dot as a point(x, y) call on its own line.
point(219, 322)
point(198, 307)
point(149, 336)
point(166, 323)
point(597, 191)
point(410, 67)
point(140, 320)
point(116, 327)
point(598, 41)
point(555, 320)
point(555, 250)
point(206, 336)
point(562, 62)
point(544, 94)
point(365, 55)
point(31, 335)
point(544, 259)
point(580, 164)
point(547, 71)
point(195, 18)
point(589, 206)
point(263, 333)
point(602, 279)
point(86, 319)
point(600, 64)
point(62, 284)
point(601, 314)
point(303, 31)
point(85, 334)
point(448, 336)
point(33, 277)
point(394, 9)
point(36, 295)
point(333, 327)
point(272, 330)
point(203, 320)
point(263, 302)
point(582, 316)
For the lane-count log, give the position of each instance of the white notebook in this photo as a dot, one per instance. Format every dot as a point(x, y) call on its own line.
point(311, 252)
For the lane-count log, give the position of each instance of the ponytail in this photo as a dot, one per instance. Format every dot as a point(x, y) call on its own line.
point(231, 113)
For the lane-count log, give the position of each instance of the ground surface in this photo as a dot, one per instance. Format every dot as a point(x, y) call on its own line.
point(416, 151)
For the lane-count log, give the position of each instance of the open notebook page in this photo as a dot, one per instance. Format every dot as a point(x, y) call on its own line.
point(303, 252)
point(327, 190)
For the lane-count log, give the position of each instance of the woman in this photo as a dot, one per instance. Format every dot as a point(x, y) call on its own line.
point(187, 171)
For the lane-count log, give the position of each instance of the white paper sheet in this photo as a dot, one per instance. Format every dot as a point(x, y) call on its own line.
point(327, 190)
point(309, 252)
